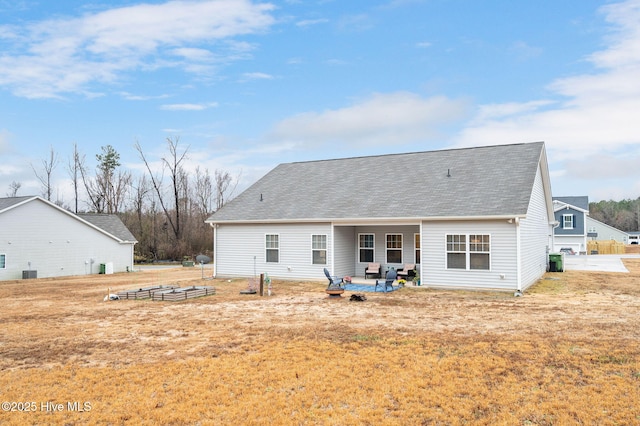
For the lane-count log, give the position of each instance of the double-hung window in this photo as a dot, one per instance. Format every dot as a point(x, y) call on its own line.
point(3, 261)
point(366, 244)
point(567, 221)
point(319, 249)
point(272, 247)
point(394, 248)
point(469, 251)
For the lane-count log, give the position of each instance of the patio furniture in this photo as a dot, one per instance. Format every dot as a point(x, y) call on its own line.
point(388, 282)
point(408, 271)
point(373, 269)
point(334, 281)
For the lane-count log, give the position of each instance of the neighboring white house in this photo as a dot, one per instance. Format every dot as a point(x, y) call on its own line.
point(571, 217)
point(599, 231)
point(39, 239)
point(470, 218)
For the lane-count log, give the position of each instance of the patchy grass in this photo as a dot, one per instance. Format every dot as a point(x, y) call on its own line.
point(567, 352)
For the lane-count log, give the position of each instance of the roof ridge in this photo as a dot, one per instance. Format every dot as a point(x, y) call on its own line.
point(414, 152)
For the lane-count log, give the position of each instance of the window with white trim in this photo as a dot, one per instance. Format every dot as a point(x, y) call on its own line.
point(394, 248)
point(567, 221)
point(366, 244)
point(416, 245)
point(469, 251)
point(3, 261)
point(272, 247)
point(319, 249)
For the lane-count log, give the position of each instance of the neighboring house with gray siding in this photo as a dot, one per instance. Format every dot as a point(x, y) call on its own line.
point(599, 231)
point(469, 218)
point(39, 239)
point(571, 217)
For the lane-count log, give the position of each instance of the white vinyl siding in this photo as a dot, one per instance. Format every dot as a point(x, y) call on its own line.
point(239, 247)
point(535, 233)
point(56, 243)
point(503, 272)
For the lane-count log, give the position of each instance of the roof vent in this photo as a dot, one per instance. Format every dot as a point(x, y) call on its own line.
point(448, 172)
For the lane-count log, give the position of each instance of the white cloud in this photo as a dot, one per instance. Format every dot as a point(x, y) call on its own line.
point(188, 107)
point(381, 119)
point(585, 114)
point(57, 56)
point(256, 76)
point(310, 22)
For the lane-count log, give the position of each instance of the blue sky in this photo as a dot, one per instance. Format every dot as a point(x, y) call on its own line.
point(247, 84)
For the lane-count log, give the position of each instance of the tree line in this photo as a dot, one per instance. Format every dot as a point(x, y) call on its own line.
point(623, 215)
point(164, 208)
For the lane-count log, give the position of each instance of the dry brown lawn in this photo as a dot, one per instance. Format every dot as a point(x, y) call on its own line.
point(567, 352)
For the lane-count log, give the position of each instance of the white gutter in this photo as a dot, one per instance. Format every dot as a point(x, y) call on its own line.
point(368, 220)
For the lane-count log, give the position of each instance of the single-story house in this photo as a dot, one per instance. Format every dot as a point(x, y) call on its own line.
point(571, 216)
point(476, 218)
point(40, 239)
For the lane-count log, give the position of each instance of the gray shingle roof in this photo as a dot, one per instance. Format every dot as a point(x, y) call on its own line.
point(110, 223)
point(12, 201)
point(482, 182)
point(580, 201)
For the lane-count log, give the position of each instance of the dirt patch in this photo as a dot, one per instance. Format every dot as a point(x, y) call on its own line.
point(68, 321)
point(567, 352)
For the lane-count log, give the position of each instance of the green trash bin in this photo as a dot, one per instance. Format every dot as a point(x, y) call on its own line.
point(103, 268)
point(555, 262)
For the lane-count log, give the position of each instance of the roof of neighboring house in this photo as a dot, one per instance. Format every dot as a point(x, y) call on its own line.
point(592, 221)
point(110, 223)
point(5, 203)
point(580, 201)
point(107, 223)
point(469, 182)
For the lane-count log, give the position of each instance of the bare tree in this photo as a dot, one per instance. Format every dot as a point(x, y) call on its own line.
point(203, 192)
point(75, 167)
point(177, 174)
point(224, 190)
point(13, 189)
point(48, 165)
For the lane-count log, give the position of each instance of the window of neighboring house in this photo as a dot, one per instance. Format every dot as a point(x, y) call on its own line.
point(3, 261)
point(394, 248)
point(366, 244)
point(319, 249)
point(567, 221)
point(592, 229)
point(416, 244)
point(471, 251)
point(272, 246)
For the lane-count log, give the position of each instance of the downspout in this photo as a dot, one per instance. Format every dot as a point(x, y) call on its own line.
point(518, 257)
point(421, 255)
point(215, 250)
point(333, 251)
